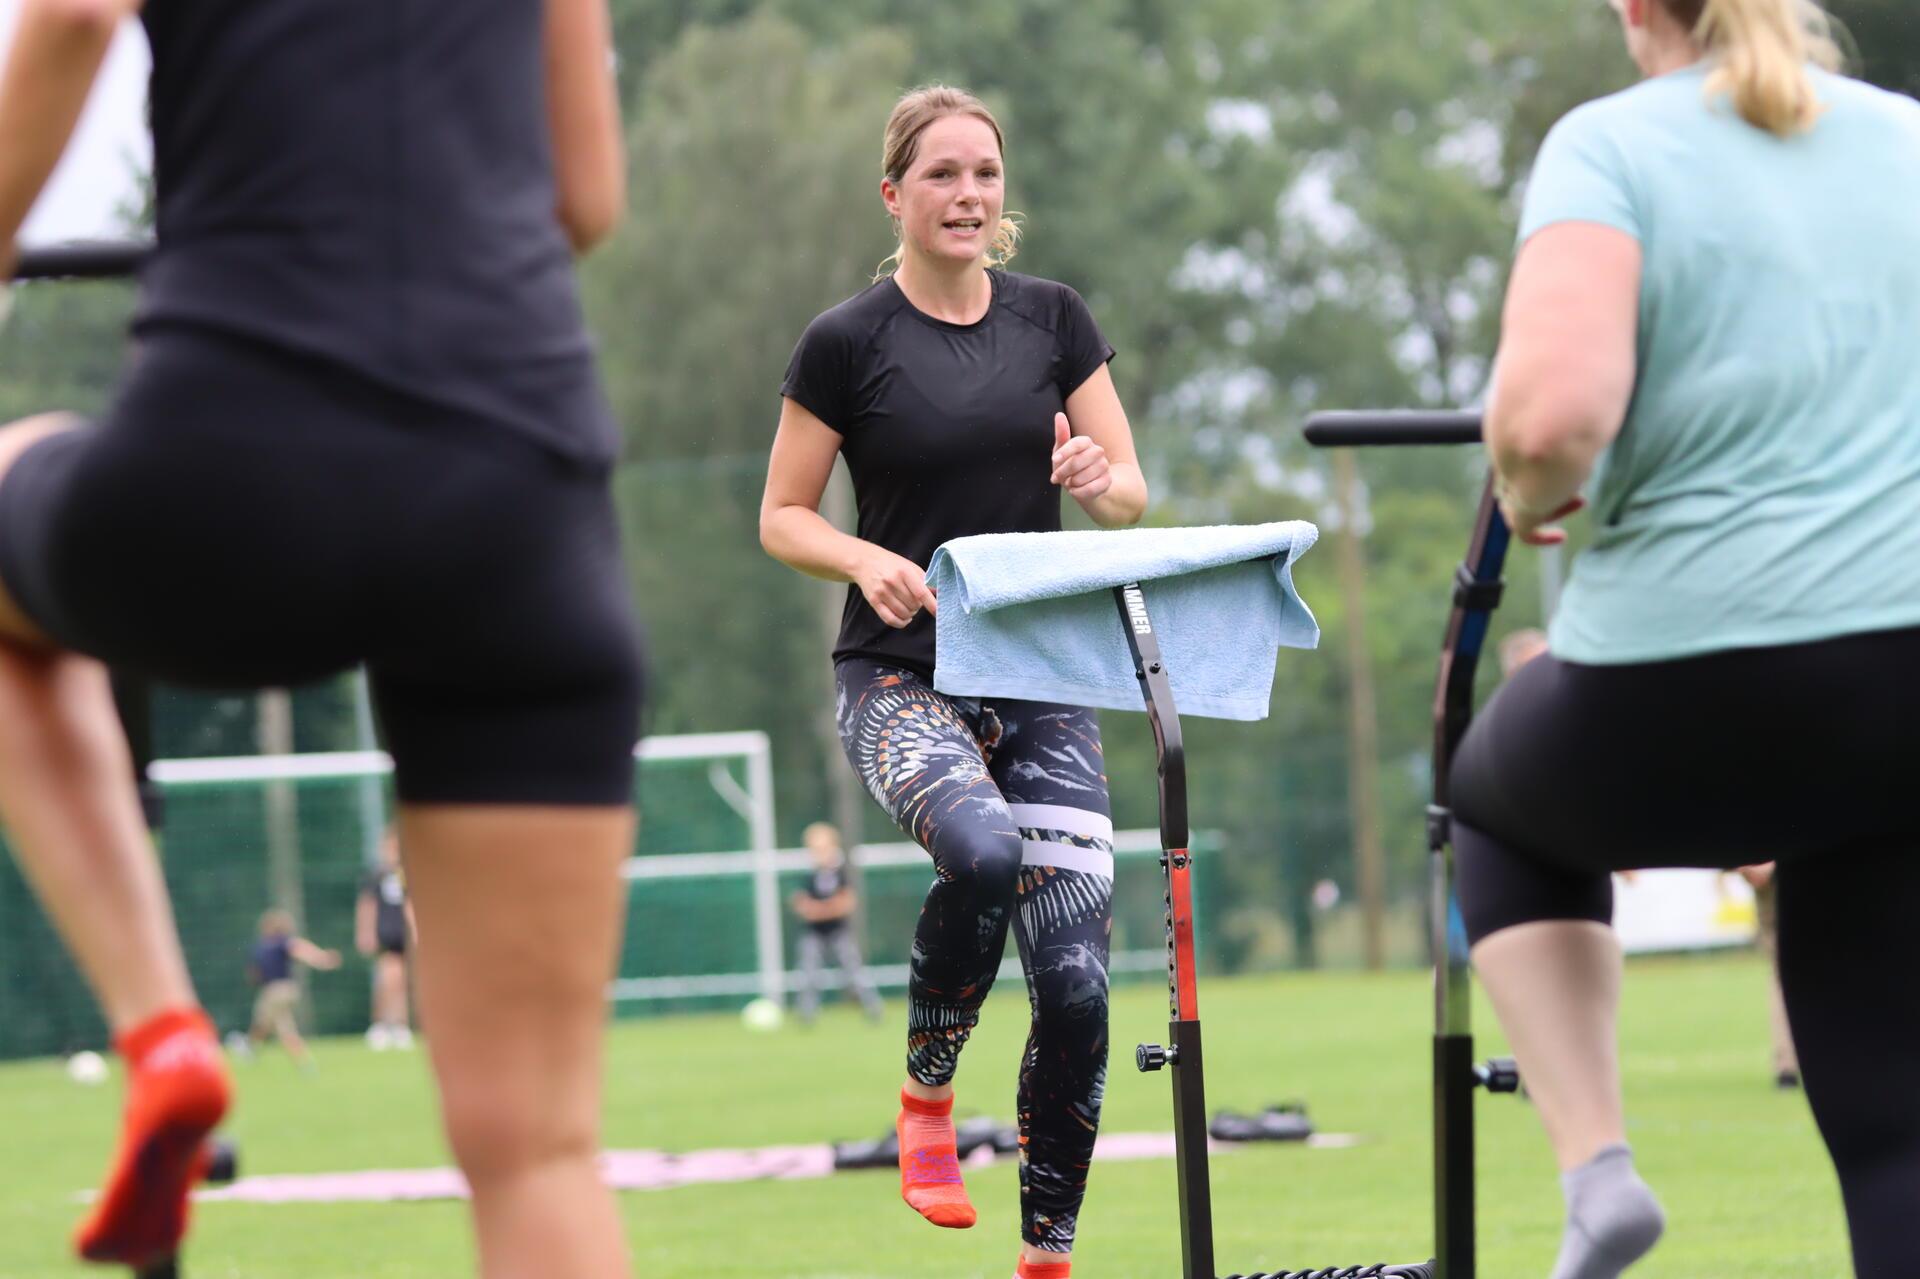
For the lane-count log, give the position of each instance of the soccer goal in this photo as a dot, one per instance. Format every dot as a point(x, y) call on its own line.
point(298, 832)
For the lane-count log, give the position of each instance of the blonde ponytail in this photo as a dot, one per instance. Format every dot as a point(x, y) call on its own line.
point(1006, 241)
point(911, 115)
point(1762, 48)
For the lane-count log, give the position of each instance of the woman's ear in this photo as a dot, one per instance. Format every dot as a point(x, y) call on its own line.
point(890, 196)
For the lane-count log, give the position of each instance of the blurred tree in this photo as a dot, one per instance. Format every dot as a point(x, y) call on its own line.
point(1270, 208)
point(756, 154)
point(61, 345)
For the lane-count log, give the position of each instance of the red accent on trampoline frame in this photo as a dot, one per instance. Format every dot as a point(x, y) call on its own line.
point(1186, 983)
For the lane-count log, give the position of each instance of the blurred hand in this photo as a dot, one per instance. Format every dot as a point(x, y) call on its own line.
point(1759, 876)
point(1537, 528)
point(896, 588)
point(1079, 464)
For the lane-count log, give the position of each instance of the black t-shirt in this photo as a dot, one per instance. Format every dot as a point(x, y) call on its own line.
point(825, 885)
point(272, 960)
point(370, 182)
point(389, 892)
point(947, 428)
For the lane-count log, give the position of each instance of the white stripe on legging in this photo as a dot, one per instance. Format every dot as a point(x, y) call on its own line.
point(1088, 861)
point(1073, 821)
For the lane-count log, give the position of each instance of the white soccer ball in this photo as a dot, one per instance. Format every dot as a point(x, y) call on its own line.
point(762, 1014)
point(87, 1068)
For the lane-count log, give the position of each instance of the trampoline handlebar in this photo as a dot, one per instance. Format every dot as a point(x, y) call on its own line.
point(1362, 428)
point(82, 260)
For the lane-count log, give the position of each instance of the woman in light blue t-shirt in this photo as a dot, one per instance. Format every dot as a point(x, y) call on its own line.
point(1712, 344)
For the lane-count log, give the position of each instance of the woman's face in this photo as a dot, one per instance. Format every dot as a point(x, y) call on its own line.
point(948, 203)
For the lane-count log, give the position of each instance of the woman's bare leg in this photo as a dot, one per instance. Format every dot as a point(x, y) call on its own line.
point(520, 911)
point(1555, 986)
point(74, 821)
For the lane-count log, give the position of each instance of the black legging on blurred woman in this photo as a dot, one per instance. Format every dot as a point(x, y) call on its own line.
point(1804, 754)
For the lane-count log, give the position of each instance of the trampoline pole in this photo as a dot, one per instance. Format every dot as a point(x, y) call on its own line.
point(1182, 1052)
point(1476, 593)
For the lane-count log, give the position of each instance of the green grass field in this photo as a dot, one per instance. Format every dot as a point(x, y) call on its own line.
point(1746, 1185)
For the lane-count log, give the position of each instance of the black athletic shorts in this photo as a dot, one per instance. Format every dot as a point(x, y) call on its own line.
point(243, 518)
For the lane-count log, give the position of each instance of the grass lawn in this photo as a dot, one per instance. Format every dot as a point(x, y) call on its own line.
point(1746, 1185)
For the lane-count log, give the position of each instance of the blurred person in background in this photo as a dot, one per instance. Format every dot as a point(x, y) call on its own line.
point(1713, 316)
point(965, 398)
point(826, 905)
point(383, 932)
point(276, 1005)
point(1519, 648)
point(361, 422)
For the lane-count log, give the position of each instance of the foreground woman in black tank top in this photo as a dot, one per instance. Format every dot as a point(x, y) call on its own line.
point(360, 423)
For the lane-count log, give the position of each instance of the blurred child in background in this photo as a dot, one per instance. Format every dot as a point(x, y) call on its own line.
point(270, 967)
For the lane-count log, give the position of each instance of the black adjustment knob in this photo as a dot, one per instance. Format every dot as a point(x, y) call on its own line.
point(222, 1162)
point(1498, 1074)
point(1152, 1057)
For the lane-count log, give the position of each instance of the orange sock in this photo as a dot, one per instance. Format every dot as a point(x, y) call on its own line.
point(177, 1091)
point(929, 1164)
point(1042, 1269)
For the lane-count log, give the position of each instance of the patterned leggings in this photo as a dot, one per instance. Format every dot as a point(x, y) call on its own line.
point(1010, 798)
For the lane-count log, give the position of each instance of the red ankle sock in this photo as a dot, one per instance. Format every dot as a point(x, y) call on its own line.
point(1042, 1269)
point(929, 1164)
point(177, 1091)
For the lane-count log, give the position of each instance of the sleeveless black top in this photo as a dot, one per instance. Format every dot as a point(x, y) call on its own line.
point(370, 183)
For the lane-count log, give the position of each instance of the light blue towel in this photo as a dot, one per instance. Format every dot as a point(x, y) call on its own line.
point(1032, 615)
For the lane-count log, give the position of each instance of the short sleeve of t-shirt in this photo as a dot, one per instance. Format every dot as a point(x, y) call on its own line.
point(1581, 175)
point(1082, 346)
point(820, 375)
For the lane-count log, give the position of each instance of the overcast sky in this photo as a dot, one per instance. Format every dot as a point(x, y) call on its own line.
point(96, 177)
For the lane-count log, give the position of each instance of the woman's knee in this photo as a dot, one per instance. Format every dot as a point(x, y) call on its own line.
point(985, 861)
point(501, 1127)
point(1070, 990)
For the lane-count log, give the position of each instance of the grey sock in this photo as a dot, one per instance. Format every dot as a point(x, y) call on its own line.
point(1612, 1218)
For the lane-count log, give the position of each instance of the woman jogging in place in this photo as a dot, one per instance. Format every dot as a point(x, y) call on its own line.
point(1714, 315)
point(360, 422)
point(965, 398)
